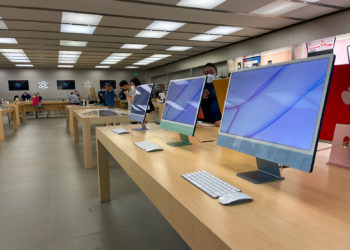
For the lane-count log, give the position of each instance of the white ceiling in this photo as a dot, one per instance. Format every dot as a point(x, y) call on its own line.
point(36, 26)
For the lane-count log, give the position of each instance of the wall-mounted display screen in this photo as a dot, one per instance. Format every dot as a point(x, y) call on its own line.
point(17, 85)
point(321, 46)
point(104, 82)
point(250, 62)
point(65, 84)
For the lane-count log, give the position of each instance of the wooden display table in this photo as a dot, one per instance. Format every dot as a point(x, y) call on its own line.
point(305, 211)
point(18, 109)
point(86, 120)
point(13, 117)
point(69, 114)
point(58, 105)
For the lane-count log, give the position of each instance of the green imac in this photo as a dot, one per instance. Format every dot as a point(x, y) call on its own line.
point(182, 106)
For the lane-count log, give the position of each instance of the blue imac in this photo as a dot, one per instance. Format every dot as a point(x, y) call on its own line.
point(140, 105)
point(275, 113)
point(182, 106)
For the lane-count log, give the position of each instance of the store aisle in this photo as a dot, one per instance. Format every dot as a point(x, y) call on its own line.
point(49, 201)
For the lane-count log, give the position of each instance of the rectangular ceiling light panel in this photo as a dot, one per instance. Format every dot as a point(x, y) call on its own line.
point(278, 8)
point(164, 26)
point(73, 43)
point(202, 4)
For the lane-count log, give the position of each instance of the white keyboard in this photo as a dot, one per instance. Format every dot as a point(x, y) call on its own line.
point(120, 131)
point(148, 146)
point(210, 184)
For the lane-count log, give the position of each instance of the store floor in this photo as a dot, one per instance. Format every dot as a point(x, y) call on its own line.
point(49, 201)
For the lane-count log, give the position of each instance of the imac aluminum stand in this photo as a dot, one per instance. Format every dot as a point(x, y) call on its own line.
point(267, 172)
point(143, 127)
point(184, 141)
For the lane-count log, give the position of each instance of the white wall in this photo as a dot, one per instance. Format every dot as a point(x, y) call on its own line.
point(331, 25)
point(51, 76)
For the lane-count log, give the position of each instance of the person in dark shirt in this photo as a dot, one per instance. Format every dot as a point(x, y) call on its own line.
point(210, 105)
point(25, 96)
point(109, 96)
point(101, 95)
point(122, 96)
point(40, 98)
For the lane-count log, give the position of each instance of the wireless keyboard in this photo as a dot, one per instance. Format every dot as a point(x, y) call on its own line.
point(120, 131)
point(148, 146)
point(210, 184)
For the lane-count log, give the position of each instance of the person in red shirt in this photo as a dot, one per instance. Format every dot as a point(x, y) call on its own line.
point(36, 101)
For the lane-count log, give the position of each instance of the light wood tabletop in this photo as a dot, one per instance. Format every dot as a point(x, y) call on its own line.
point(18, 110)
point(12, 116)
point(305, 211)
point(88, 117)
point(69, 114)
point(49, 105)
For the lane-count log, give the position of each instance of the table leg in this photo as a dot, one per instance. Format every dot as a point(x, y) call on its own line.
point(14, 120)
point(87, 144)
point(71, 126)
point(75, 129)
point(67, 118)
point(2, 133)
point(103, 172)
point(23, 116)
point(18, 122)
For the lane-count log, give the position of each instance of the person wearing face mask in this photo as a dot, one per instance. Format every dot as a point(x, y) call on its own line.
point(210, 105)
point(129, 91)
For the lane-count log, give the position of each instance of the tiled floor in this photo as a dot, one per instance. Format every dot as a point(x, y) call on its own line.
point(49, 201)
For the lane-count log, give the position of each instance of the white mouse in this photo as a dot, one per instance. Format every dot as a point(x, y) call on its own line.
point(235, 197)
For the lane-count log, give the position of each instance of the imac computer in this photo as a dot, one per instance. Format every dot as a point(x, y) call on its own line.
point(182, 106)
point(141, 105)
point(275, 113)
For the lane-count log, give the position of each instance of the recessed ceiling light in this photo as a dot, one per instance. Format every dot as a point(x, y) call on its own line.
point(102, 67)
point(2, 24)
point(179, 48)
point(65, 66)
point(164, 26)
point(131, 67)
point(202, 4)
point(79, 29)
point(68, 56)
point(6, 40)
point(151, 59)
point(25, 65)
point(15, 55)
point(278, 7)
point(11, 51)
point(78, 18)
point(152, 34)
point(68, 61)
point(223, 30)
point(115, 58)
point(159, 56)
point(121, 54)
point(73, 43)
point(141, 63)
point(205, 37)
point(133, 46)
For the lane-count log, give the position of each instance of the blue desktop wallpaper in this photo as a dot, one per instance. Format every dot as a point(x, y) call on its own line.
point(183, 100)
point(276, 104)
point(141, 99)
